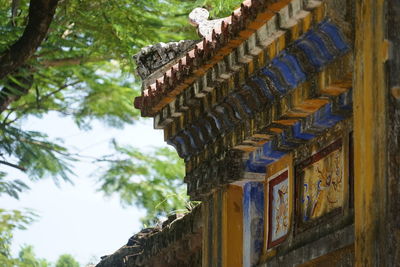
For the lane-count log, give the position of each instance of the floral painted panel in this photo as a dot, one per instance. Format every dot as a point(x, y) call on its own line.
point(322, 180)
point(279, 209)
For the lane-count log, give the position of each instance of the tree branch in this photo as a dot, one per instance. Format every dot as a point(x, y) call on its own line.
point(12, 165)
point(41, 14)
point(13, 90)
point(6, 117)
point(30, 105)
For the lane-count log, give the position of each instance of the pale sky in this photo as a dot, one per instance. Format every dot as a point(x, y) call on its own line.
point(76, 219)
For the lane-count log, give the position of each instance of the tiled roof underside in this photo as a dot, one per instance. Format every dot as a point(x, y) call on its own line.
point(288, 70)
point(245, 23)
point(294, 128)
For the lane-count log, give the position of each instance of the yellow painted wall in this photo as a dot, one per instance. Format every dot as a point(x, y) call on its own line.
point(233, 226)
point(370, 133)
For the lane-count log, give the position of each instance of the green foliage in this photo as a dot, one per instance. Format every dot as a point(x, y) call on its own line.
point(27, 258)
point(11, 220)
point(82, 69)
point(221, 8)
point(152, 181)
point(11, 188)
point(37, 156)
point(66, 260)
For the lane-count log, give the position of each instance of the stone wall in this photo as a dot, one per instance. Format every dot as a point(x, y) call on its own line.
point(177, 243)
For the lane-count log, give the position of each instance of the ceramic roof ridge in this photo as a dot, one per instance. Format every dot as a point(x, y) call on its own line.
point(227, 31)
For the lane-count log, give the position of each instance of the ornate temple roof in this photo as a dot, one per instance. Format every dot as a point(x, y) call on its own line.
point(219, 38)
point(261, 82)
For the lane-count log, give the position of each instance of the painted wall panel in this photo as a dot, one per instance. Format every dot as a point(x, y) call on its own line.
point(253, 222)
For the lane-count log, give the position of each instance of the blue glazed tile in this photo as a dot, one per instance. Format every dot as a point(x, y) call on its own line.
point(269, 152)
point(334, 33)
point(312, 52)
point(264, 87)
point(243, 104)
point(324, 118)
point(319, 43)
point(262, 158)
point(223, 119)
point(333, 119)
point(263, 161)
point(208, 133)
point(251, 167)
point(328, 43)
point(235, 108)
point(199, 133)
point(273, 77)
point(216, 121)
point(209, 126)
point(345, 100)
point(179, 143)
point(253, 95)
point(286, 72)
point(225, 116)
point(231, 112)
point(285, 142)
point(256, 163)
point(278, 73)
point(299, 134)
point(292, 62)
point(191, 139)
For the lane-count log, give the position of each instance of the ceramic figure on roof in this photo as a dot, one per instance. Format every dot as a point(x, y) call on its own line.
point(199, 17)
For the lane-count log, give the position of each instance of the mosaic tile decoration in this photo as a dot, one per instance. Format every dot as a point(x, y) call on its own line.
point(321, 183)
point(278, 208)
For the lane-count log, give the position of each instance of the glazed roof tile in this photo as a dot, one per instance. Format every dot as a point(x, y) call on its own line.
point(229, 33)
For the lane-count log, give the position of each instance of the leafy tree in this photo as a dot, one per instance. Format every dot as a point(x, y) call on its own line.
point(11, 220)
point(152, 181)
point(27, 258)
point(73, 57)
point(66, 260)
point(80, 69)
